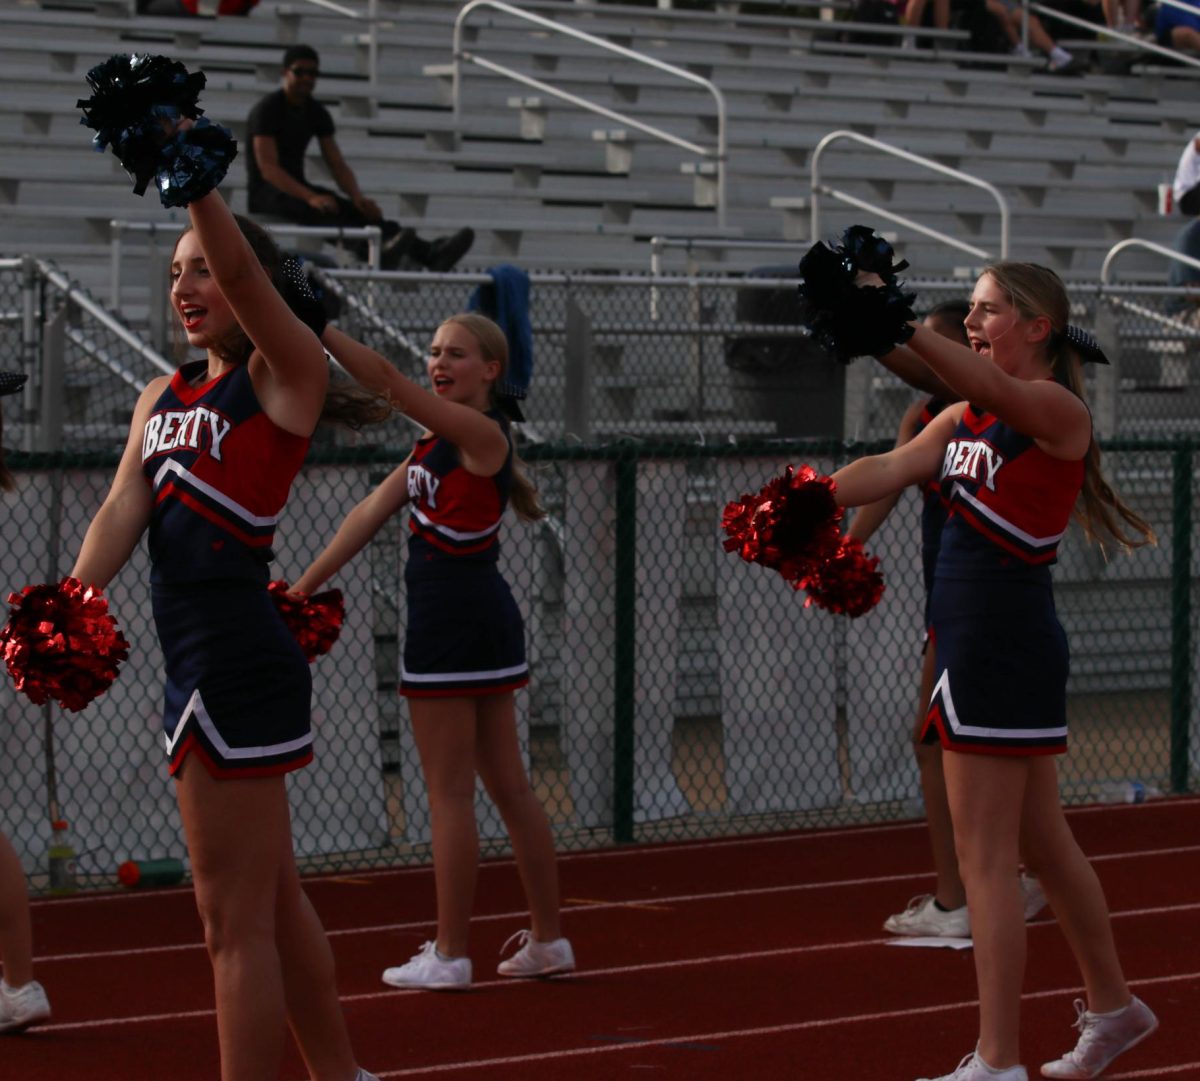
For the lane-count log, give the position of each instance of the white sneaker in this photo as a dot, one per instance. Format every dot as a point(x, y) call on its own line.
point(923, 918)
point(973, 1068)
point(536, 958)
point(22, 1007)
point(430, 971)
point(1033, 895)
point(1102, 1037)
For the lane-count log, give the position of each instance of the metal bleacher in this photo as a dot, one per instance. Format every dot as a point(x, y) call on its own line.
point(559, 188)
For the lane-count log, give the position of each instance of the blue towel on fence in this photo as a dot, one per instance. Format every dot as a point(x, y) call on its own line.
point(506, 302)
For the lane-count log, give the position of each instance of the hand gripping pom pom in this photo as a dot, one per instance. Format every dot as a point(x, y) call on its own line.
point(849, 583)
point(193, 162)
point(791, 525)
point(315, 622)
point(845, 318)
point(61, 643)
point(135, 100)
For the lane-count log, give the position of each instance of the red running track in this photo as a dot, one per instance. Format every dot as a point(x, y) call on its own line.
point(755, 957)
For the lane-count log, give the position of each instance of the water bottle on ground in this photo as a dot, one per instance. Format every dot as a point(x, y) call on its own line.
point(1125, 791)
point(142, 873)
point(61, 857)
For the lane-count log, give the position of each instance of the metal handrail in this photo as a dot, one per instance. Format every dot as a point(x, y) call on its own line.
point(1148, 245)
point(372, 234)
point(461, 54)
point(1092, 28)
point(80, 297)
point(819, 189)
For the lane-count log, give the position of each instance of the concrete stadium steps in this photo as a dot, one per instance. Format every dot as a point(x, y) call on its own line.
point(1079, 158)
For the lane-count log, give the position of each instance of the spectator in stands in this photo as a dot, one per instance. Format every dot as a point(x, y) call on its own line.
point(1178, 29)
point(195, 7)
point(977, 17)
point(279, 130)
point(22, 1001)
point(1122, 15)
point(1186, 194)
point(1058, 60)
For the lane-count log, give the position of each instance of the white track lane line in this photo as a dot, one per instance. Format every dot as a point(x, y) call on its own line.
point(656, 901)
point(621, 970)
point(771, 1030)
point(642, 848)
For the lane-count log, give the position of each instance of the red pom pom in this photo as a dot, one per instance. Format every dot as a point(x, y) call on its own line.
point(315, 622)
point(791, 525)
point(61, 643)
point(849, 583)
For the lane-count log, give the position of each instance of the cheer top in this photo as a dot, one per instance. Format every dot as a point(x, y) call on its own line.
point(454, 515)
point(220, 469)
point(1009, 501)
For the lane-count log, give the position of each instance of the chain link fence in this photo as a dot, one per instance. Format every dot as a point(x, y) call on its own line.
point(676, 691)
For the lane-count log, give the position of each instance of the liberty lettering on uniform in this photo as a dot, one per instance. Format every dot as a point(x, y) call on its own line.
point(420, 478)
point(975, 459)
point(197, 428)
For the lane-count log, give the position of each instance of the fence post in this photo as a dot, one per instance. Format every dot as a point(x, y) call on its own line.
point(624, 645)
point(1181, 616)
point(52, 390)
point(579, 374)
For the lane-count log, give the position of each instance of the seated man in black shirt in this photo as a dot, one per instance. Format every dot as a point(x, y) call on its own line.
point(279, 130)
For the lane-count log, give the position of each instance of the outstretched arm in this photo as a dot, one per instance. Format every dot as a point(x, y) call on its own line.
point(1040, 408)
point(903, 362)
point(879, 475)
point(356, 530)
point(125, 512)
point(479, 439)
point(871, 516)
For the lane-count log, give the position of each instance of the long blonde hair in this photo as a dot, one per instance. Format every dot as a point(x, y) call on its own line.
point(494, 346)
point(1037, 291)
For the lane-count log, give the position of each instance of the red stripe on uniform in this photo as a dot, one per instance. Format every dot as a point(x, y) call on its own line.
point(212, 516)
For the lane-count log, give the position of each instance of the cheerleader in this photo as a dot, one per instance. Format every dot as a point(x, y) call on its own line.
point(464, 643)
point(1013, 465)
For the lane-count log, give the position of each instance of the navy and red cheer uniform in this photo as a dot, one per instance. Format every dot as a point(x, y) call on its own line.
point(465, 635)
point(1001, 654)
point(238, 688)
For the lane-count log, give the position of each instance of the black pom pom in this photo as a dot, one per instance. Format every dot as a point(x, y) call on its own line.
point(136, 99)
point(870, 252)
point(847, 319)
point(193, 162)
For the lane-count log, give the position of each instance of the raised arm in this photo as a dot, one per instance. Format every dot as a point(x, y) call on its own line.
point(125, 512)
point(1040, 408)
point(902, 361)
point(479, 439)
point(297, 375)
point(356, 530)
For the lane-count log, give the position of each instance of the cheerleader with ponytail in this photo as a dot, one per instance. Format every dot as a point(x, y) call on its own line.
point(464, 647)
